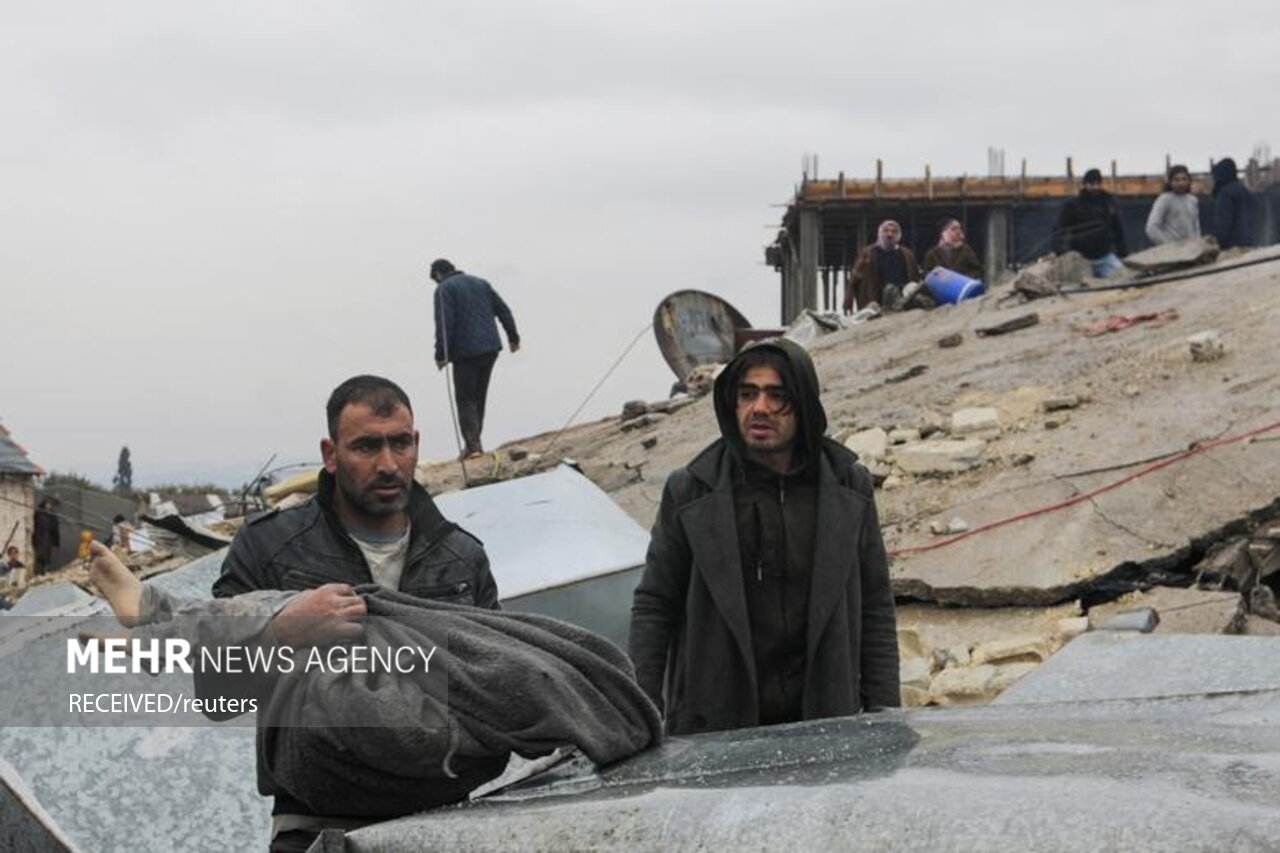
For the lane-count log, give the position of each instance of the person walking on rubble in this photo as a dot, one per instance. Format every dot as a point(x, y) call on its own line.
point(765, 596)
point(1176, 212)
point(467, 338)
point(885, 273)
point(1234, 207)
point(952, 252)
point(1090, 224)
point(369, 523)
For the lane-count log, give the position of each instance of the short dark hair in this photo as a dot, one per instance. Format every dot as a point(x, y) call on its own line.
point(381, 395)
point(441, 267)
point(1093, 176)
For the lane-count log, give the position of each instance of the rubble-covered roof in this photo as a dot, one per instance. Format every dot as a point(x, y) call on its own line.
point(13, 457)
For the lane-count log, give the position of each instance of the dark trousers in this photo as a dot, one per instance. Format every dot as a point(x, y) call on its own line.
point(471, 384)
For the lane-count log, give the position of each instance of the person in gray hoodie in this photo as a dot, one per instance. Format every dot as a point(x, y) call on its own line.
point(1176, 212)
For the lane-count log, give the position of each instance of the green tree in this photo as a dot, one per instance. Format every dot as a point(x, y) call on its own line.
point(123, 480)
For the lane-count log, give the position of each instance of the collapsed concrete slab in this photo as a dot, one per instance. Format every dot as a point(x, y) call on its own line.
point(1181, 611)
point(1110, 665)
point(1178, 255)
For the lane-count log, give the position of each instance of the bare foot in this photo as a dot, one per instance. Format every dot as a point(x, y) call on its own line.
point(116, 583)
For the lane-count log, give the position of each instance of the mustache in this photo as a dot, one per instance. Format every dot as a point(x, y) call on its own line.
point(386, 480)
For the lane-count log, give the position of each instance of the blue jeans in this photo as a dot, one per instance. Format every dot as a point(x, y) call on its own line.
point(1106, 265)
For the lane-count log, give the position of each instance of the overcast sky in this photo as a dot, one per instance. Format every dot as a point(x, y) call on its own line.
point(211, 214)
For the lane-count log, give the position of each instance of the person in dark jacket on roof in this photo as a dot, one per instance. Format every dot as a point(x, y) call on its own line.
point(369, 523)
point(1090, 224)
point(1234, 214)
point(466, 337)
point(765, 596)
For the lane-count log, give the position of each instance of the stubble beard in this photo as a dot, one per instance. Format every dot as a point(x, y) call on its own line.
point(364, 502)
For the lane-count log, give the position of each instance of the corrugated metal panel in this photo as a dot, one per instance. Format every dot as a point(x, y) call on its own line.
point(547, 530)
point(13, 459)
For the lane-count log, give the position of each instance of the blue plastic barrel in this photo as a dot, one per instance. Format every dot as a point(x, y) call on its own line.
point(950, 287)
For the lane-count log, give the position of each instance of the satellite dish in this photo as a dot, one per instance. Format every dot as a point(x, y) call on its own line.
point(694, 328)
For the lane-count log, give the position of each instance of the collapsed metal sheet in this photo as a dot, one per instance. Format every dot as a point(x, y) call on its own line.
point(547, 530)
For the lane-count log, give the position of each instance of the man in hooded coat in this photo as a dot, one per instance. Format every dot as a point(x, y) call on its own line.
point(765, 597)
point(1233, 207)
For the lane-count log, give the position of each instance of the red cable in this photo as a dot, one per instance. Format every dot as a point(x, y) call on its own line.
point(1163, 463)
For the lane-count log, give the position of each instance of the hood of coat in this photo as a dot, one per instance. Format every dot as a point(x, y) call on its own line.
point(801, 380)
point(1224, 173)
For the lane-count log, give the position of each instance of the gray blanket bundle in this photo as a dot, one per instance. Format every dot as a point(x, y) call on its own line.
point(375, 744)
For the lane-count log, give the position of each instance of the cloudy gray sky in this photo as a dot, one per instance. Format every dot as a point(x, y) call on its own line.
point(213, 213)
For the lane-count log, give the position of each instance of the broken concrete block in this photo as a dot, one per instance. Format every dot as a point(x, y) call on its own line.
point(672, 404)
point(870, 444)
point(1181, 611)
point(516, 452)
point(701, 379)
point(963, 685)
point(650, 442)
point(1143, 620)
point(1022, 458)
point(1058, 420)
point(1256, 626)
point(1007, 674)
point(1046, 276)
point(945, 456)
point(1206, 346)
point(634, 409)
point(1028, 648)
point(932, 422)
point(1262, 602)
point(914, 697)
point(1065, 401)
point(903, 435)
point(1177, 255)
point(957, 655)
point(955, 525)
point(1070, 627)
point(645, 420)
point(910, 645)
point(982, 422)
point(951, 341)
point(879, 472)
point(917, 672)
point(891, 482)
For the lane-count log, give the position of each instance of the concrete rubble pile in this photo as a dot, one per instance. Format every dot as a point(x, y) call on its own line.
point(1036, 482)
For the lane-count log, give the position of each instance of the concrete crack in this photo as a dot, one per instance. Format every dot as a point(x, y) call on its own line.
point(1126, 529)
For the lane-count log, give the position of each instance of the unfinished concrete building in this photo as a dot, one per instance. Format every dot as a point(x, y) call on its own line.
point(1008, 220)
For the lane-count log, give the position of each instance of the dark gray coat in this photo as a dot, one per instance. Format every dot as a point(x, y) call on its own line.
point(306, 546)
point(690, 634)
point(465, 309)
